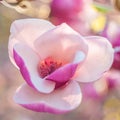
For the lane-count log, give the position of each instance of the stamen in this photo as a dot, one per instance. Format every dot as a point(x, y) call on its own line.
point(47, 66)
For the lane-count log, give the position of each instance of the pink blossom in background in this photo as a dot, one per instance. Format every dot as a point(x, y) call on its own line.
point(112, 32)
point(101, 88)
point(113, 79)
point(76, 13)
point(53, 60)
point(67, 8)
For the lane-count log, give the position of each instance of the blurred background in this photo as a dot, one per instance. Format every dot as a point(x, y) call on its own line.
point(101, 99)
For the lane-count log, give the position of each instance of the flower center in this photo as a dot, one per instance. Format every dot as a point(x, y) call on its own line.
point(47, 66)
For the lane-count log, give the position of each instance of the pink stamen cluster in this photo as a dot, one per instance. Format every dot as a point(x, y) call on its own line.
point(47, 66)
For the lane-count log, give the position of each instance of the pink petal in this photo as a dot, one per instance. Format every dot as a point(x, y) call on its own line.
point(99, 59)
point(61, 43)
point(63, 74)
point(61, 100)
point(27, 60)
point(27, 31)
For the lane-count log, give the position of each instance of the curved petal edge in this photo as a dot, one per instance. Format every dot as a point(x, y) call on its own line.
point(61, 100)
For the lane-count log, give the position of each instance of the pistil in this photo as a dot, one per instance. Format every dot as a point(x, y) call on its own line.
point(47, 66)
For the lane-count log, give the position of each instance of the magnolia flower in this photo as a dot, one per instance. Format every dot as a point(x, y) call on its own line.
point(52, 60)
